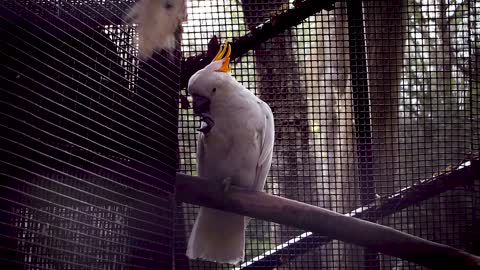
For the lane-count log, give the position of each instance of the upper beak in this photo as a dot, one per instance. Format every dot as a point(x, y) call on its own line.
point(201, 105)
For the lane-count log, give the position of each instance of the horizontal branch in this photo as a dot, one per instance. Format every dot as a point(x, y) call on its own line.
point(381, 238)
point(462, 175)
point(258, 35)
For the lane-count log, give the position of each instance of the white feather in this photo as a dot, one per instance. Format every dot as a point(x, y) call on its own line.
point(157, 21)
point(217, 236)
point(239, 146)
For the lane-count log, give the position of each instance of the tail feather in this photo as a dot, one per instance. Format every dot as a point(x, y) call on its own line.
point(217, 236)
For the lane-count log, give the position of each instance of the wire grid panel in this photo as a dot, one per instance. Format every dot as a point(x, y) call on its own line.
point(368, 99)
point(88, 140)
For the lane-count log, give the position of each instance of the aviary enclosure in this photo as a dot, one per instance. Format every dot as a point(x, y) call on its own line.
point(376, 107)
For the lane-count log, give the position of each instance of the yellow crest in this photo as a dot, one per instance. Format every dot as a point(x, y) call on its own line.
point(227, 50)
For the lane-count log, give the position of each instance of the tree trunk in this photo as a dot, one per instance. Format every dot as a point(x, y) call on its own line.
point(384, 32)
point(330, 82)
point(281, 85)
point(384, 24)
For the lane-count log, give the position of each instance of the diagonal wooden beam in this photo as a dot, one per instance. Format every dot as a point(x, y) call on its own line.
point(258, 35)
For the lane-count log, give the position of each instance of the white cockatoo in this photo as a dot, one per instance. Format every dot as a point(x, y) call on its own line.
point(235, 145)
point(157, 21)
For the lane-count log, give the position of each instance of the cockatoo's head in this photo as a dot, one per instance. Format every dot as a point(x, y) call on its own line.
point(210, 85)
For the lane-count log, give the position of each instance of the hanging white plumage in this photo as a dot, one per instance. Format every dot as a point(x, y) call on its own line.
point(157, 21)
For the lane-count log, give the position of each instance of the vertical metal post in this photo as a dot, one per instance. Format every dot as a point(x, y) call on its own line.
point(361, 107)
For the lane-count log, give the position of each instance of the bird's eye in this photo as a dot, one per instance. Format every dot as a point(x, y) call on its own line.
point(214, 90)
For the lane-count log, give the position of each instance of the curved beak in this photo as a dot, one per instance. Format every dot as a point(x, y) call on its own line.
point(201, 105)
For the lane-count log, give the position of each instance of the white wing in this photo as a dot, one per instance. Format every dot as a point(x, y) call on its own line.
point(267, 138)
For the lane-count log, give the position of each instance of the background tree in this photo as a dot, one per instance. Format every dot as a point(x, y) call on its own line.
point(280, 84)
point(435, 125)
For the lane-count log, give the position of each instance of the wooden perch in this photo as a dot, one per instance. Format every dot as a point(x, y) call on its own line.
point(462, 175)
point(258, 35)
point(280, 210)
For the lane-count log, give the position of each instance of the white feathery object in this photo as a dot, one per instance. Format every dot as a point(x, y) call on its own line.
point(157, 21)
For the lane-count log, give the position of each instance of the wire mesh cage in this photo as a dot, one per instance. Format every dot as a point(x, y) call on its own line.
point(374, 102)
point(369, 99)
point(88, 140)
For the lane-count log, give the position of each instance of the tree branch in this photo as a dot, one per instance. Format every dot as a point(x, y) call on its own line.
point(318, 220)
point(462, 175)
point(258, 35)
